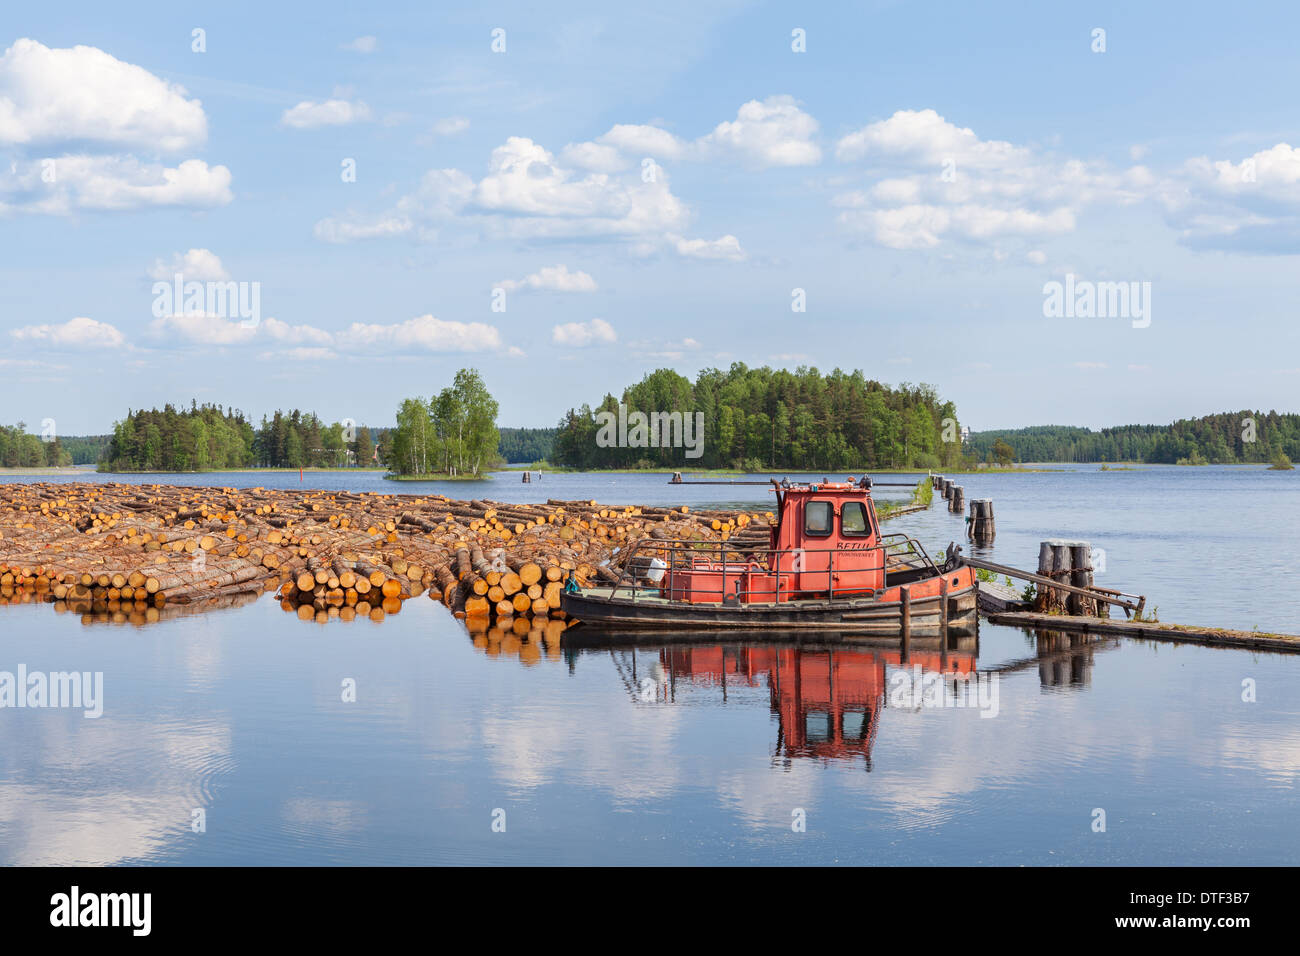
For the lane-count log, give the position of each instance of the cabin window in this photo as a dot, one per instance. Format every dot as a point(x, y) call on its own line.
point(817, 727)
point(853, 519)
point(817, 518)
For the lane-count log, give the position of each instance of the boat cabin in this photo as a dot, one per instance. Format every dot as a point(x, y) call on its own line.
point(826, 542)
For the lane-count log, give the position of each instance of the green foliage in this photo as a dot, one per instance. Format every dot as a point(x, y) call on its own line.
point(526, 445)
point(758, 419)
point(211, 438)
point(19, 449)
point(1215, 439)
point(452, 433)
point(1281, 462)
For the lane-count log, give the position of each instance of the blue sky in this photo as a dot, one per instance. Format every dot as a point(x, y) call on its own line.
point(921, 171)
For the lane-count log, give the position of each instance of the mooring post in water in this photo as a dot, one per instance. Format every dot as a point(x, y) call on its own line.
point(1053, 562)
point(958, 503)
point(981, 528)
point(905, 615)
point(1081, 577)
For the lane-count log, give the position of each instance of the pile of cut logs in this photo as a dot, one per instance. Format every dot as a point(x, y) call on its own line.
point(141, 552)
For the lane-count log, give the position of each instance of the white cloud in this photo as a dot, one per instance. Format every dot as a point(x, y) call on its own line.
point(342, 230)
point(553, 278)
point(83, 94)
point(936, 182)
point(309, 115)
point(526, 194)
point(1251, 206)
point(774, 132)
point(202, 329)
point(284, 332)
point(451, 126)
point(1036, 256)
point(728, 247)
point(596, 157)
point(112, 183)
point(582, 334)
point(310, 354)
point(427, 334)
point(644, 141)
point(219, 331)
point(366, 44)
point(201, 265)
point(1090, 366)
point(78, 333)
point(309, 343)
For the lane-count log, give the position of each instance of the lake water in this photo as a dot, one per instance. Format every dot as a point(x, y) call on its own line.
point(701, 752)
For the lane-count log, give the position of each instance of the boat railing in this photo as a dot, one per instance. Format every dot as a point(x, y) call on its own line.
point(742, 571)
point(906, 551)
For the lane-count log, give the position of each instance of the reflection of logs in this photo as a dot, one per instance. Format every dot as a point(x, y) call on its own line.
point(123, 549)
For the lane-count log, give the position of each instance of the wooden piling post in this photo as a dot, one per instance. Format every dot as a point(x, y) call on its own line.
point(981, 528)
point(1054, 561)
point(905, 614)
point(958, 503)
point(1081, 577)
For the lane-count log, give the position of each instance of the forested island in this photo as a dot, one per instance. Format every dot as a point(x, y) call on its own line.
point(756, 419)
point(1228, 438)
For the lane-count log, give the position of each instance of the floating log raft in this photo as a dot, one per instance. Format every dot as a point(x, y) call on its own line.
point(115, 549)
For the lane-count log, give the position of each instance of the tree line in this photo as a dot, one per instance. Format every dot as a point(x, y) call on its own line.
point(1227, 438)
point(452, 433)
point(212, 438)
point(759, 419)
point(526, 445)
point(20, 449)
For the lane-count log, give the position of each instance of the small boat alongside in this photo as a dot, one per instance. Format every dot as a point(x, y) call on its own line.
point(826, 566)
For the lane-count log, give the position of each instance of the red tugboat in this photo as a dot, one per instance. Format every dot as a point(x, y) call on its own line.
point(826, 566)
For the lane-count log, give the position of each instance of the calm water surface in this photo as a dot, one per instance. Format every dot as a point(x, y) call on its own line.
point(698, 752)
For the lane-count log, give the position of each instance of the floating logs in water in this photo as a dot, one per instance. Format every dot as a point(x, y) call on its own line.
point(108, 549)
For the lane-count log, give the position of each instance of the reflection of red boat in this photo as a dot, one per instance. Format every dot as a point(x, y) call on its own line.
point(826, 566)
point(827, 701)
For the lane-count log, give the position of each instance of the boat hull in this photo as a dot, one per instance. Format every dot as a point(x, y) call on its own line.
point(861, 615)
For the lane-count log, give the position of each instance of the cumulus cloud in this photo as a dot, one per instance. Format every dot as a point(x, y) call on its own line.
point(347, 230)
point(582, 334)
point(427, 334)
point(526, 194)
point(78, 333)
point(201, 265)
point(423, 333)
point(1252, 205)
point(552, 278)
point(770, 132)
point(936, 182)
point(84, 95)
point(365, 44)
point(336, 112)
point(728, 247)
point(774, 132)
point(202, 329)
point(111, 183)
point(451, 126)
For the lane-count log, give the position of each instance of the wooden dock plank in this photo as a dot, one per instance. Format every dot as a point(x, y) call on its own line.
point(1220, 637)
